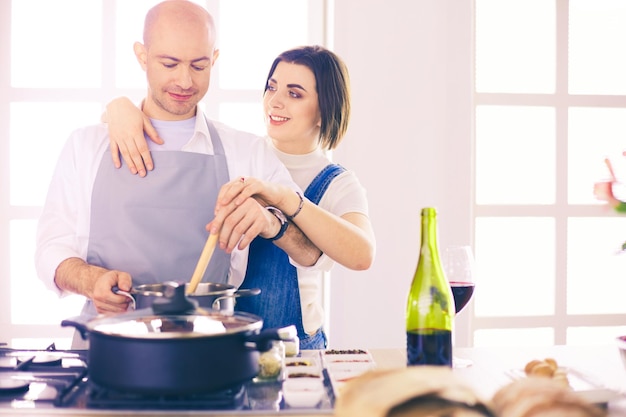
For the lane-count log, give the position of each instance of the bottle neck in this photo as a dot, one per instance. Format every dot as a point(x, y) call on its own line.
point(429, 245)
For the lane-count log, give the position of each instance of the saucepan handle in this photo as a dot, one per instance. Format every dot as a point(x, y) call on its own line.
point(79, 323)
point(246, 292)
point(133, 303)
point(263, 340)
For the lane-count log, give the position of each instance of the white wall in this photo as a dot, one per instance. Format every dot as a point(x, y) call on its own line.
point(410, 144)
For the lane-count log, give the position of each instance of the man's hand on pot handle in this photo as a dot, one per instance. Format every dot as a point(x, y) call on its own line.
point(94, 282)
point(104, 299)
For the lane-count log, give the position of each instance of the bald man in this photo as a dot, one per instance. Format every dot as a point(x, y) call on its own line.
point(103, 227)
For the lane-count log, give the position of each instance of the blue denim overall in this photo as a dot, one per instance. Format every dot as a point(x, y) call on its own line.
point(154, 227)
point(269, 269)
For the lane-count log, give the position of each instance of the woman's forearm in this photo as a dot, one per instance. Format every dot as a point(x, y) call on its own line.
point(348, 240)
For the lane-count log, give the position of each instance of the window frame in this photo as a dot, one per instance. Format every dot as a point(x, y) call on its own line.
point(561, 211)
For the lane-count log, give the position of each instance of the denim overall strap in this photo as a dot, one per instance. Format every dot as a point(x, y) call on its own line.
point(269, 269)
point(154, 227)
point(320, 183)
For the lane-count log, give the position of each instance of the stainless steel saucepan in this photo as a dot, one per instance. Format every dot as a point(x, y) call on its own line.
point(207, 294)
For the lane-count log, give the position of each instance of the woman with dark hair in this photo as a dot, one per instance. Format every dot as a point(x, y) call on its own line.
point(306, 105)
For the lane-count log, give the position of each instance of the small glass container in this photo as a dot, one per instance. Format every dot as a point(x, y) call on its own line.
point(272, 363)
point(292, 347)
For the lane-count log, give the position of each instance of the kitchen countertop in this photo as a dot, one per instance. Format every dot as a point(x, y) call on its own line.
point(493, 366)
point(488, 373)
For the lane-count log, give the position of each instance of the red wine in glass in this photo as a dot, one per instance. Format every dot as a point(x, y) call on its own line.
point(462, 293)
point(458, 263)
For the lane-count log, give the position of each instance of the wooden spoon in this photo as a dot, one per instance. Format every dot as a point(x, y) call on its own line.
point(607, 161)
point(203, 262)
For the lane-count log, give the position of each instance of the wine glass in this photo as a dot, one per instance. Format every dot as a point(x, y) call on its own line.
point(459, 267)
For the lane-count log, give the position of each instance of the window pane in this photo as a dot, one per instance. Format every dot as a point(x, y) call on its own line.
point(245, 60)
point(596, 275)
point(520, 254)
point(129, 18)
point(510, 56)
point(244, 116)
point(514, 337)
point(28, 292)
point(515, 155)
point(582, 336)
point(594, 133)
point(64, 37)
point(597, 40)
point(38, 144)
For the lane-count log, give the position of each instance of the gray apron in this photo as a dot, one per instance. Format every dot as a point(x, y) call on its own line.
point(154, 227)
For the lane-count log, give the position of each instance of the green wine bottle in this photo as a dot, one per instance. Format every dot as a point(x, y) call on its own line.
point(430, 306)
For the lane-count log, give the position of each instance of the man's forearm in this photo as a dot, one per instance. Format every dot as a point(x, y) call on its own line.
point(298, 246)
point(77, 276)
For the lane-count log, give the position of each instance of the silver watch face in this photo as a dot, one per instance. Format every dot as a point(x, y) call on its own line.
point(278, 213)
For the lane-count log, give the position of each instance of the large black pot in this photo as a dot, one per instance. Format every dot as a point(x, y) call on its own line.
point(175, 348)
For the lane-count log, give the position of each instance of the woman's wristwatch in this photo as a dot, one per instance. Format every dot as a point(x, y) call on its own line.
point(284, 223)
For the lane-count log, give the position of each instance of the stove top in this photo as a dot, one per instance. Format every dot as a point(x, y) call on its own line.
point(230, 399)
point(39, 377)
point(51, 378)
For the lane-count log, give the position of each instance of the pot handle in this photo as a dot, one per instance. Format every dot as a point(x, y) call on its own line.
point(263, 340)
point(246, 292)
point(133, 303)
point(79, 323)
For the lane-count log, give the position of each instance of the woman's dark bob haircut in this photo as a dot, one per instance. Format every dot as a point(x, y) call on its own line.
point(333, 89)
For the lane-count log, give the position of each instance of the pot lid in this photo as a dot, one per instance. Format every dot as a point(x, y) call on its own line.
point(145, 324)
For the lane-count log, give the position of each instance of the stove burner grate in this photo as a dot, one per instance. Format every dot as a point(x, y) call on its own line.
point(229, 399)
point(42, 360)
point(13, 386)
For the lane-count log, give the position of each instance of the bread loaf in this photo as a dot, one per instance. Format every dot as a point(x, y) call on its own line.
point(538, 396)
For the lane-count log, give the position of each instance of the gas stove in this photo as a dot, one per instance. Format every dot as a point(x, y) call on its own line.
point(59, 379)
point(40, 377)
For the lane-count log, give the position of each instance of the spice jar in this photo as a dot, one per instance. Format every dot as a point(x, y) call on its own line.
point(272, 362)
point(292, 347)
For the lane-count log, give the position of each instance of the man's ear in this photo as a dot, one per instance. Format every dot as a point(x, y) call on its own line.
point(216, 54)
point(141, 54)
